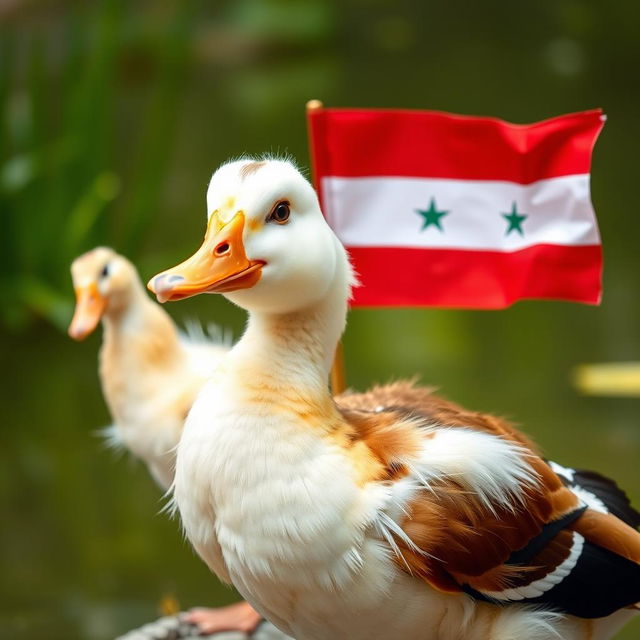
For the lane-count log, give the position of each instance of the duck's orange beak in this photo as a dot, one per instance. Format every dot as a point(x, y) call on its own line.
point(90, 306)
point(219, 265)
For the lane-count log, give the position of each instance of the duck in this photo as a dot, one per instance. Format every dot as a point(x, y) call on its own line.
point(150, 373)
point(348, 523)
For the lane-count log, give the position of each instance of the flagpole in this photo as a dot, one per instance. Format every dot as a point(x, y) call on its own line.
point(338, 374)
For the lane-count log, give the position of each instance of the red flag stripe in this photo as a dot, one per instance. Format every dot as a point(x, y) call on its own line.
point(475, 279)
point(428, 144)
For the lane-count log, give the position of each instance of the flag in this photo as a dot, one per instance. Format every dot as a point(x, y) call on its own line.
point(443, 210)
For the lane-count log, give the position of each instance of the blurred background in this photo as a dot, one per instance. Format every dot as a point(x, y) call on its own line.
point(113, 115)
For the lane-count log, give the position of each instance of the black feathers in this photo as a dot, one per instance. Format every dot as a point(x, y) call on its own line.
point(606, 490)
point(595, 582)
point(600, 583)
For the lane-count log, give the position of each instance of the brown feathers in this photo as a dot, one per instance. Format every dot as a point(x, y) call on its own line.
point(609, 532)
point(458, 539)
point(463, 537)
point(250, 168)
point(391, 438)
point(423, 402)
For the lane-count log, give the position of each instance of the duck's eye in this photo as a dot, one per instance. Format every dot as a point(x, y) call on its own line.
point(105, 271)
point(280, 213)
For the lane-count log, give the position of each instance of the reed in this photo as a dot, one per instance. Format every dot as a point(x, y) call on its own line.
point(65, 184)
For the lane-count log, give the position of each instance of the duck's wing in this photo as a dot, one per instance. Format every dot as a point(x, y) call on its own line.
point(477, 510)
point(535, 543)
point(599, 492)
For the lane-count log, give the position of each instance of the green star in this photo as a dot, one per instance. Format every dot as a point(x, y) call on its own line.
point(431, 216)
point(515, 220)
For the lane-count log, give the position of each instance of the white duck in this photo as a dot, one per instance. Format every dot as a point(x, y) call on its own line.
point(356, 524)
point(150, 374)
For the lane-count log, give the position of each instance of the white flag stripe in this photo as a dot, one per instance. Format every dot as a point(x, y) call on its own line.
point(383, 212)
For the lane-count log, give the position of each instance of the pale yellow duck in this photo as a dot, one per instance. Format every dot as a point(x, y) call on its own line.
point(150, 374)
point(397, 523)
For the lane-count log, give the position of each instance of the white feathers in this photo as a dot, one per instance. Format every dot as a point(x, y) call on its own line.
point(565, 472)
point(589, 498)
point(520, 623)
point(388, 528)
point(492, 468)
point(211, 334)
point(205, 351)
point(111, 438)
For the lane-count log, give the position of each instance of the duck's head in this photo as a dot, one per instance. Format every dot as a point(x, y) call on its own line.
point(267, 246)
point(102, 281)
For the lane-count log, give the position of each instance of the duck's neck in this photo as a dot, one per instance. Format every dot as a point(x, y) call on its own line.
point(296, 348)
point(138, 333)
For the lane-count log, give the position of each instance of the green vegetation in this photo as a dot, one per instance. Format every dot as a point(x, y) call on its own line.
point(59, 173)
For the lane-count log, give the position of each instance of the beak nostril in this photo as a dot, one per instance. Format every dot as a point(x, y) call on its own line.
point(222, 249)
